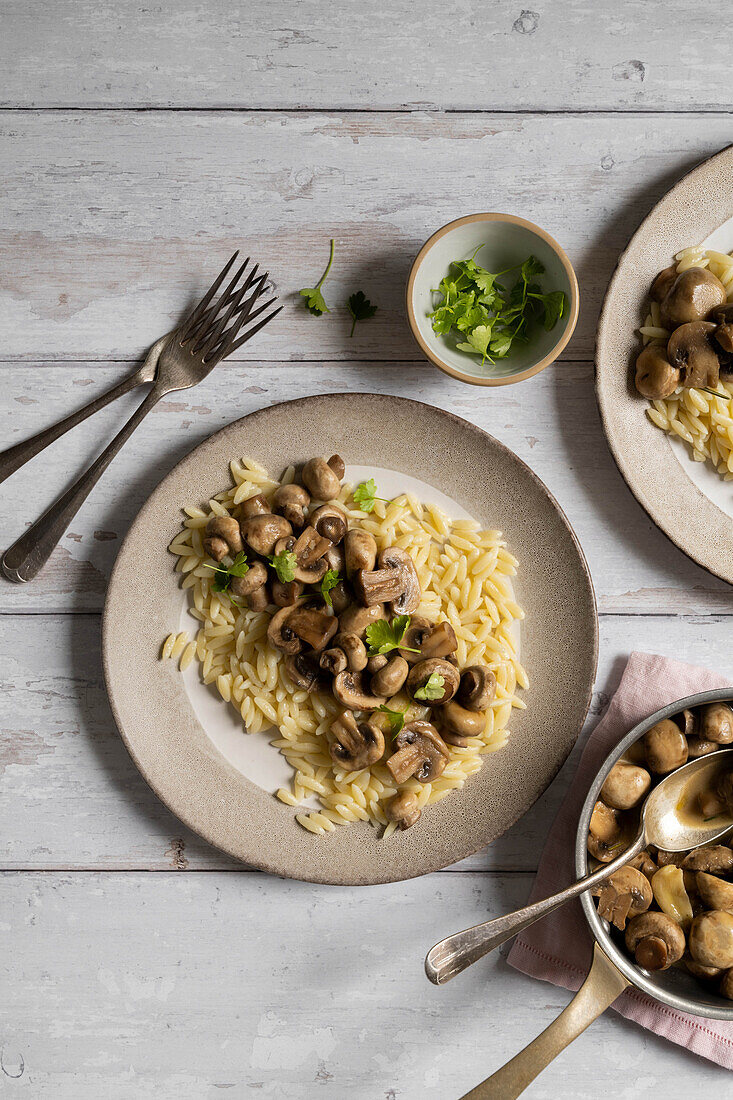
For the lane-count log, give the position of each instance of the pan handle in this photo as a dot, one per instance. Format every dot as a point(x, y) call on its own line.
point(600, 989)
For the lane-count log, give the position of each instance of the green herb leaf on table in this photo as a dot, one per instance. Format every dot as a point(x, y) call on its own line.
point(360, 308)
point(432, 689)
point(285, 563)
point(396, 719)
point(223, 573)
point(383, 637)
point(330, 579)
point(365, 495)
point(315, 303)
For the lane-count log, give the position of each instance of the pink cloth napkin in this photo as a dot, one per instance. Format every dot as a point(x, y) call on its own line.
point(558, 948)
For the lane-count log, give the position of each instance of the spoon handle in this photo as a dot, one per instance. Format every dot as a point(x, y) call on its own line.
point(453, 954)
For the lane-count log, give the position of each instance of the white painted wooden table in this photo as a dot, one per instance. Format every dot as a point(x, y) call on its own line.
point(138, 146)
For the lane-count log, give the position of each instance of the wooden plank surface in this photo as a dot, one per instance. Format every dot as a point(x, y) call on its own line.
point(71, 797)
point(112, 222)
point(190, 987)
point(500, 56)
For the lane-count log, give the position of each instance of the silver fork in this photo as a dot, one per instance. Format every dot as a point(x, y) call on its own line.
point(187, 356)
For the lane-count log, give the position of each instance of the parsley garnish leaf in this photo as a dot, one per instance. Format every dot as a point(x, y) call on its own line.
point(223, 573)
point(285, 563)
point(365, 495)
point(432, 689)
point(330, 579)
point(396, 719)
point(383, 637)
point(360, 308)
point(315, 302)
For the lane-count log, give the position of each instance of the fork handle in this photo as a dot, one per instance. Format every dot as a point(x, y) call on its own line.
point(23, 560)
point(15, 457)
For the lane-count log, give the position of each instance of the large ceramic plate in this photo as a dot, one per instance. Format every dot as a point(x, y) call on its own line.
point(687, 500)
point(219, 780)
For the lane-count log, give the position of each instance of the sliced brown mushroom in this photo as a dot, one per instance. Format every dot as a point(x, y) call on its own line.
point(429, 640)
point(716, 860)
point(360, 551)
point(605, 824)
point(263, 531)
point(601, 851)
point(355, 620)
point(303, 671)
point(723, 318)
point(333, 660)
point(690, 350)
point(309, 548)
point(625, 894)
point(390, 679)
point(354, 648)
point(663, 283)
point(395, 582)
point(254, 506)
point(338, 466)
point(350, 690)
point(222, 537)
point(435, 667)
point(330, 522)
point(357, 744)
point(711, 939)
point(644, 863)
point(714, 891)
point(666, 747)
point(655, 376)
point(321, 480)
point(716, 723)
point(286, 593)
point(340, 598)
point(457, 723)
point(686, 721)
point(403, 809)
point(279, 633)
point(655, 940)
point(625, 786)
point(477, 687)
point(291, 501)
point(313, 626)
point(420, 752)
point(691, 297)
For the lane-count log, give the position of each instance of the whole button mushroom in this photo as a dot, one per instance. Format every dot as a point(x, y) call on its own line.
point(715, 860)
point(354, 648)
point(723, 318)
point(291, 501)
point(286, 593)
point(403, 809)
point(697, 747)
point(357, 745)
point(716, 723)
point(253, 579)
point(655, 940)
point(690, 350)
point(355, 620)
point(321, 480)
point(666, 747)
point(222, 537)
point(254, 506)
point(330, 522)
point(303, 671)
point(625, 894)
point(338, 466)
point(360, 551)
point(458, 724)
point(714, 891)
point(477, 687)
point(702, 973)
point(445, 677)
point(350, 690)
point(655, 377)
point(726, 985)
point(711, 939)
point(420, 752)
point(625, 786)
point(390, 679)
point(605, 824)
point(663, 283)
point(691, 297)
point(644, 863)
point(263, 531)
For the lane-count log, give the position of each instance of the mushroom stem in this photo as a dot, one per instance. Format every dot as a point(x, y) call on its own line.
point(405, 763)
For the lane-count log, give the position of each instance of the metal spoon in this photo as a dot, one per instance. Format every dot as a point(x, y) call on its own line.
point(662, 824)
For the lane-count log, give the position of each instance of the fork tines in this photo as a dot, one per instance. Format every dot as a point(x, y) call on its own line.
point(211, 329)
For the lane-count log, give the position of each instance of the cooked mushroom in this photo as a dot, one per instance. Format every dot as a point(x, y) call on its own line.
point(286, 593)
point(716, 723)
point(321, 480)
point(376, 662)
point(420, 752)
point(655, 940)
point(330, 522)
point(724, 791)
point(403, 809)
point(655, 376)
point(663, 283)
point(691, 297)
point(625, 785)
point(395, 582)
point(303, 671)
point(726, 985)
point(291, 501)
point(702, 973)
point(254, 506)
point(711, 939)
point(686, 721)
point(666, 747)
point(601, 851)
point(258, 599)
point(390, 679)
point(664, 859)
point(625, 894)
point(279, 633)
point(457, 723)
point(222, 537)
point(689, 349)
point(340, 598)
point(477, 687)
point(351, 692)
point(338, 466)
point(430, 641)
point(671, 896)
point(697, 746)
point(710, 804)
point(714, 891)
point(723, 318)
point(333, 660)
point(716, 860)
point(313, 626)
point(605, 824)
point(422, 672)
point(254, 578)
point(357, 744)
point(309, 548)
point(334, 558)
point(355, 620)
point(644, 863)
point(263, 531)
point(354, 648)
point(360, 551)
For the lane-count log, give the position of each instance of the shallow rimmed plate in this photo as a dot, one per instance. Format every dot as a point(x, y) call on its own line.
point(204, 789)
point(687, 500)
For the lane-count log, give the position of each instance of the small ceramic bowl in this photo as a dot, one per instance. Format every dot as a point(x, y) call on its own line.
point(507, 241)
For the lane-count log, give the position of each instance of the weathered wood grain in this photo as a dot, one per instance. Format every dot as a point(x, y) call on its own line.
point(500, 56)
point(71, 798)
point(192, 986)
point(551, 422)
point(112, 222)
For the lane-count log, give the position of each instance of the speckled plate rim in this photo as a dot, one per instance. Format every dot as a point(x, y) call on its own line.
point(552, 354)
point(655, 987)
point(559, 641)
point(641, 451)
